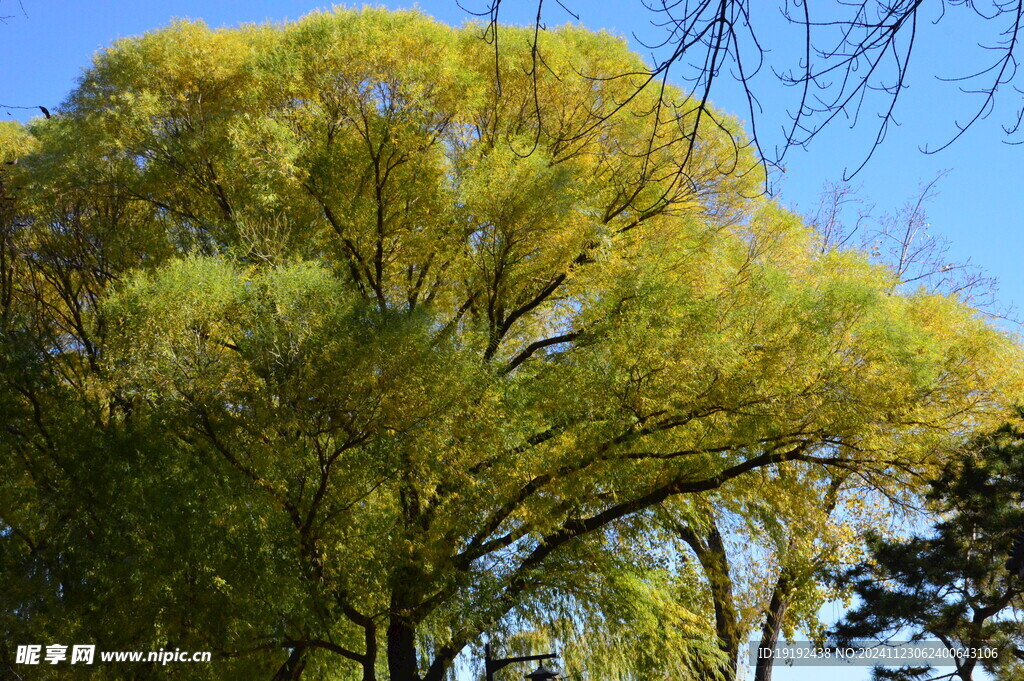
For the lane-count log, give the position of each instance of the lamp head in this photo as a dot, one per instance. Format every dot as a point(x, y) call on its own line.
point(541, 673)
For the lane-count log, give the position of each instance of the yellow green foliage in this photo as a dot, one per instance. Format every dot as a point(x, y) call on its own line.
point(324, 351)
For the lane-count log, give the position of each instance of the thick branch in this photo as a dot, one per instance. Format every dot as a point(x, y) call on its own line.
point(538, 345)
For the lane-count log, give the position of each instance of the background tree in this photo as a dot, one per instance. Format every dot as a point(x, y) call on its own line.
point(324, 356)
point(952, 583)
point(903, 241)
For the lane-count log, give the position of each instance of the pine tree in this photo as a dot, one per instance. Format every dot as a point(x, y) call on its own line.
point(959, 582)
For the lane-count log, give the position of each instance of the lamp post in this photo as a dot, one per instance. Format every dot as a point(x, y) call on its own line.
point(492, 665)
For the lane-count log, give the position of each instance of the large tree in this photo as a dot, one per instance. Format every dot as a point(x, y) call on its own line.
point(320, 354)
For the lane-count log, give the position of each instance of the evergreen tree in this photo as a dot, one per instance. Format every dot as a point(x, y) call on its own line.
point(961, 581)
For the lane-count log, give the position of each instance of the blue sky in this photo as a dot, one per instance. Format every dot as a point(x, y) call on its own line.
point(45, 45)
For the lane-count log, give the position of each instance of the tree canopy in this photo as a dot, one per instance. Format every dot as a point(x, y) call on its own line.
point(321, 353)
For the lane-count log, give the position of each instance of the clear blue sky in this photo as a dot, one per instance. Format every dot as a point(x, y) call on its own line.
point(45, 45)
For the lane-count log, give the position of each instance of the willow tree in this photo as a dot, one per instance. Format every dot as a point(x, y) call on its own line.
point(321, 355)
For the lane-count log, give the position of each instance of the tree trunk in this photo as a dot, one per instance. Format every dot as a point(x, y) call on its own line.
point(716, 564)
point(292, 668)
point(710, 551)
point(402, 649)
point(772, 626)
point(370, 663)
point(782, 593)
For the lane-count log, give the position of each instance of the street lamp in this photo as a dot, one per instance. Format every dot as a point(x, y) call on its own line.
point(542, 674)
point(492, 665)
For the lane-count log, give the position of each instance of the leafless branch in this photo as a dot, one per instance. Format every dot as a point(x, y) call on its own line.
point(855, 60)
